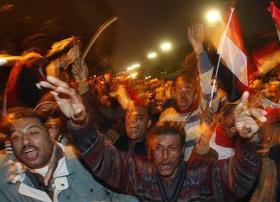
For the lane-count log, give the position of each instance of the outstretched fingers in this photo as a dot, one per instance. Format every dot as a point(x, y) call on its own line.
point(243, 104)
point(259, 114)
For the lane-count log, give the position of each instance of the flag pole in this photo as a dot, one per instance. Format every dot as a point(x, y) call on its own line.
point(220, 57)
point(4, 106)
point(95, 36)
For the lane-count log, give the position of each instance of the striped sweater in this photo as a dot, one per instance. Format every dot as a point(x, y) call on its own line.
point(190, 120)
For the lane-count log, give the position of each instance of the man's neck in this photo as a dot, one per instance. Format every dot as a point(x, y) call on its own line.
point(169, 179)
point(42, 171)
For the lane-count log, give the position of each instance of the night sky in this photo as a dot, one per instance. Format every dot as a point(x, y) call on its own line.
point(144, 24)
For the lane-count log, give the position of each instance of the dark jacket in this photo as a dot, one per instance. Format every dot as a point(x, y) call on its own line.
point(125, 145)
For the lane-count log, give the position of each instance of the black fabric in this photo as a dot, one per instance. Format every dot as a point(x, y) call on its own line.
point(171, 192)
point(274, 154)
point(123, 144)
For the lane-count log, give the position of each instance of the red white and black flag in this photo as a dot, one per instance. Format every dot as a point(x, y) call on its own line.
point(275, 13)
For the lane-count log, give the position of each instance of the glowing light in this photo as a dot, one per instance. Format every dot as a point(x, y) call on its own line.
point(134, 75)
point(2, 61)
point(133, 66)
point(166, 46)
point(148, 77)
point(152, 55)
point(213, 16)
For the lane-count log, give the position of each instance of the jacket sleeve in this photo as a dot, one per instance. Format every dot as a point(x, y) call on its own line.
point(205, 69)
point(234, 178)
point(117, 169)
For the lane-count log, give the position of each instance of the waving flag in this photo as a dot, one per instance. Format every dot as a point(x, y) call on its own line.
point(230, 47)
point(275, 13)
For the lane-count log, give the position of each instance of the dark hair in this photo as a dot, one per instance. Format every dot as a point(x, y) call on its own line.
point(228, 109)
point(166, 128)
point(189, 78)
point(17, 113)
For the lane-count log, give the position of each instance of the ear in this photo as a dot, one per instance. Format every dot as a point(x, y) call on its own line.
point(51, 134)
point(149, 123)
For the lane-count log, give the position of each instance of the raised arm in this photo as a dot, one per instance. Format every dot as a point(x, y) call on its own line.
point(115, 168)
point(196, 37)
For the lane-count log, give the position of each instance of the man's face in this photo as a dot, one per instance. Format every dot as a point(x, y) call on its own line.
point(166, 154)
point(31, 142)
point(228, 124)
point(184, 94)
point(136, 122)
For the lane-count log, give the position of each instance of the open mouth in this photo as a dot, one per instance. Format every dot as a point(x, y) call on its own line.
point(30, 153)
point(166, 166)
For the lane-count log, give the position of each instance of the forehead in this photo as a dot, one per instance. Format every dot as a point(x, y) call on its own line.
point(137, 111)
point(166, 140)
point(182, 83)
point(26, 122)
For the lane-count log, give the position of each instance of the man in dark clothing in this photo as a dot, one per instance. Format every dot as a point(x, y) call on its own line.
point(154, 178)
point(137, 122)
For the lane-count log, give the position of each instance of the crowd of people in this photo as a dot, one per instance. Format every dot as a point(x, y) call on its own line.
point(113, 138)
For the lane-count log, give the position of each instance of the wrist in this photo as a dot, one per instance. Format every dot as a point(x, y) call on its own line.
point(199, 49)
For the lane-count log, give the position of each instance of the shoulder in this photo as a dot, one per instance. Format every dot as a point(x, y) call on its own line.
point(168, 114)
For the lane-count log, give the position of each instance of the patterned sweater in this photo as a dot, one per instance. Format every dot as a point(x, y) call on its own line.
point(204, 179)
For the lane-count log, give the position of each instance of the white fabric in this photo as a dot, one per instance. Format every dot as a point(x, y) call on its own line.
point(223, 152)
point(234, 58)
point(33, 193)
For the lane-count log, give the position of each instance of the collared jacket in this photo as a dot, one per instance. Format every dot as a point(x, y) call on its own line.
point(72, 181)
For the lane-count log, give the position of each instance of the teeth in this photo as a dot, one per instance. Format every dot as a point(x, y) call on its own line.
point(29, 150)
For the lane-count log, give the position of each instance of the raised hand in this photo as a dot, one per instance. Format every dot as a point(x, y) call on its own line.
point(69, 102)
point(196, 37)
point(247, 119)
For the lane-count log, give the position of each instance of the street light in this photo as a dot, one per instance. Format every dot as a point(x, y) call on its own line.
point(213, 16)
point(152, 55)
point(133, 66)
point(166, 46)
point(2, 61)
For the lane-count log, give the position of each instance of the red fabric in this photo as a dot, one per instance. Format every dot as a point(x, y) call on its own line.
point(222, 139)
point(133, 95)
point(275, 13)
point(12, 85)
point(235, 34)
point(273, 115)
point(266, 51)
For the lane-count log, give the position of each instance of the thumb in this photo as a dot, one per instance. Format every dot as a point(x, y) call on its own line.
point(243, 103)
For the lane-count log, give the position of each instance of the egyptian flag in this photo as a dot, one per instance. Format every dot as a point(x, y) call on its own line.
point(275, 13)
point(230, 47)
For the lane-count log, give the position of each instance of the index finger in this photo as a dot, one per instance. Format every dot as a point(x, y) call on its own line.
point(57, 82)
